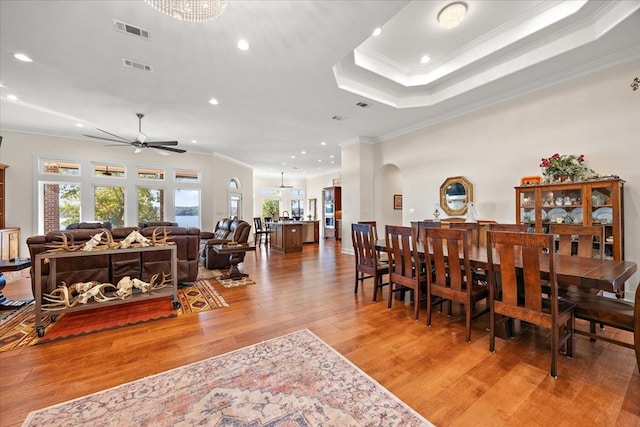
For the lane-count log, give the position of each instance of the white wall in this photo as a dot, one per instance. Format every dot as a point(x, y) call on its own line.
point(19, 151)
point(597, 115)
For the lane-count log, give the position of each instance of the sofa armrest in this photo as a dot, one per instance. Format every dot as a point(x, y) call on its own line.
point(206, 235)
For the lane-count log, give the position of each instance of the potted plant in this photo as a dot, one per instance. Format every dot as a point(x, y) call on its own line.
point(565, 167)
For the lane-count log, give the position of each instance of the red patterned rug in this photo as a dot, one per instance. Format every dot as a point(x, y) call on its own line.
point(18, 330)
point(293, 380)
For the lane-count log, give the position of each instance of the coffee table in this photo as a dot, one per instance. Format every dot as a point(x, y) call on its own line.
point(234, 252)
point(14, 264)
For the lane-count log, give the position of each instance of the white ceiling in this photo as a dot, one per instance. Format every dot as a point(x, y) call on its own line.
point(309, 61)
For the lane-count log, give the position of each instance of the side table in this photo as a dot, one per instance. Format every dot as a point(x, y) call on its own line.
point(234, 252)
point(14, 264)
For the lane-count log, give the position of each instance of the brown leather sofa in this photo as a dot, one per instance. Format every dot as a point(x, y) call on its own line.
point(111, 269)
point(227, 230)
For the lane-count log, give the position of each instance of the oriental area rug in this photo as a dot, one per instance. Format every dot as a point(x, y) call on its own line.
point(18, 330)
point(292, 380)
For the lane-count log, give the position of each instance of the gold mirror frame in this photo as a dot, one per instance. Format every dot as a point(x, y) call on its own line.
point(468, 188)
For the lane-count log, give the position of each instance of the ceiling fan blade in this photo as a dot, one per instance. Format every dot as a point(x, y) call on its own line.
point(106, 139)
point(157, 143)
point(114, 135)
point(173, 150)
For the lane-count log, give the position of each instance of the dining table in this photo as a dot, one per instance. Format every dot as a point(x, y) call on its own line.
point(603, 274)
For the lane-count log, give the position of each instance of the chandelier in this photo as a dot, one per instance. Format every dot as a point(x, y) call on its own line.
point(190, 10)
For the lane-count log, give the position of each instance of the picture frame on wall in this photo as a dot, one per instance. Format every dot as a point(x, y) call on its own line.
point(397, 201)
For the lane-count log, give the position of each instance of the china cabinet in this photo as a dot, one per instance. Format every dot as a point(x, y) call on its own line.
point(594, 202)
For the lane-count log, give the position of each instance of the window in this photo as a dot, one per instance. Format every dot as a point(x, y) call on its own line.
point(108, 170)
point(233, 184)
point(297, 208)
point(187, 211)
point(270, 208)
point(109, 205)
point(122, 193)
point(60, 167)
point(235, 205)
point(297, 203)
point(150, 173)
point(187, 176)
point(150, 204)
point(60, 202)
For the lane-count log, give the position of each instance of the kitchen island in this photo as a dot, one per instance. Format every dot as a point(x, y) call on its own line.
point(288, 236)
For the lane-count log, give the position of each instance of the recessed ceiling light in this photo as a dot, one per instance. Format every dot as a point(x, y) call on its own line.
point(452, 15)
point(213, 101)
point(323, 143)
point(319, 160)
point(12, 97)
point(331, 156)
point(1, 85)
point(377, 32)
point(293, 157)
point(303, 152)
point(425, 59)
point(80, 125)
point(243, 45)
point(194, 141)
point(22, 57)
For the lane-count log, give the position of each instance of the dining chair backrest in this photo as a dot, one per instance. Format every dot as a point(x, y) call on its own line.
point(586, 238)
point(257, 223)
point(514, 228)
point(373, 226)
point(364, 245)
point(520, 293)
point(420, 226)
point(404, 262)
point(448, 272)
point(472, 229)
point(525, 249)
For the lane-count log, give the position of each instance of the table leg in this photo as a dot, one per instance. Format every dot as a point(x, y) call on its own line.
point(234, 272)
point(7, 304)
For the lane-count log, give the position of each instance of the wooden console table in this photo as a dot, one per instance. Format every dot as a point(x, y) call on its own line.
point(234, 258)
point(136, 296)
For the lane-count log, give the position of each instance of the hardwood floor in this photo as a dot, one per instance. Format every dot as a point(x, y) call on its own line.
point(448, 381)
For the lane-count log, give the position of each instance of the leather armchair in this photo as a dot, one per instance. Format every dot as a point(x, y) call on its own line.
point(227, 230)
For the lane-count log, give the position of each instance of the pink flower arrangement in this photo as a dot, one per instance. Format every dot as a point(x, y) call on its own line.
point(568, 165)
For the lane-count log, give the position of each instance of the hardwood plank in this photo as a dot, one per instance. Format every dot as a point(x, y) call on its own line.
point(432, 369)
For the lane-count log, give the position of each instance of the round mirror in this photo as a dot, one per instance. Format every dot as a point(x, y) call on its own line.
point(455, 193)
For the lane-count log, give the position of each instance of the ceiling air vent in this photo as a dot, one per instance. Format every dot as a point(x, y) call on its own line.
point(136, 64)
point(130, 29)
point(363, 104)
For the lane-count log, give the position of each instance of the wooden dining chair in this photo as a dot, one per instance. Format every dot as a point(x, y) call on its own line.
point(405, 269)
point(368, 264)
point(259, 232)
point(473, 231)
point(450, 280)
point(532, 306)
point(514, 228)
point(579, 240)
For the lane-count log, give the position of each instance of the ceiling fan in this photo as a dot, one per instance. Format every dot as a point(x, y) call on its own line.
point(282, 182)
point(140, 143)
